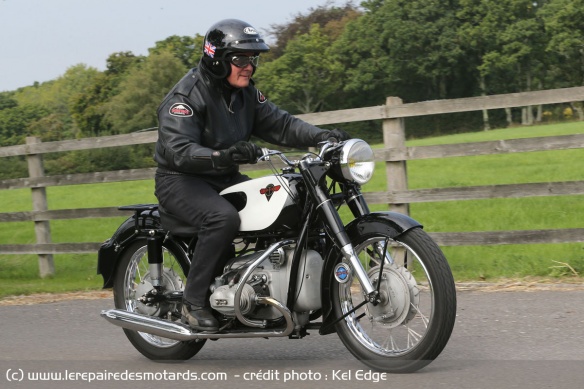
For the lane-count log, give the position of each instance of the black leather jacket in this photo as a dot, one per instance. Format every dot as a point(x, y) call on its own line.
point(195, 118)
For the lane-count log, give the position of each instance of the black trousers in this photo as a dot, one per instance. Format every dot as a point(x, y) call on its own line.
point(198, 203)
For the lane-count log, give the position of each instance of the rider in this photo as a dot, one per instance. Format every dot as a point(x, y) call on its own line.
point(205, 123)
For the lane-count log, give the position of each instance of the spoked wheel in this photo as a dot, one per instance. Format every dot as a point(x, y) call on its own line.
point(132, 282)
point(413, 322)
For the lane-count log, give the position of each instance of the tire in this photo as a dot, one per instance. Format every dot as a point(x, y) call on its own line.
point(131, 281)
point(414, 321)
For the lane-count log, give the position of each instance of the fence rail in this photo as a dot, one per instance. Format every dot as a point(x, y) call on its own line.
point(395, 154)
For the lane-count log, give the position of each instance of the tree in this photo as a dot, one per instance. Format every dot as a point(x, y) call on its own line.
point(480, 26)
point(324, 15)
point(298, 73)
point(408, 47)
point(302, 79)
point(6, 100)
point(519, 50)
point(89, 106)
point(15, 123)
point(185, 48)
point(118, 64)
point(564, 25)
point(141, 92)
point(56, 96)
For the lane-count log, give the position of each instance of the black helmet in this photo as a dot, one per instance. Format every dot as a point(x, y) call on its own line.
point(226, 37)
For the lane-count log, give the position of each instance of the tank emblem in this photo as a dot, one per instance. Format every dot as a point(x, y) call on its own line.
point(269, 190)
point(342, 273)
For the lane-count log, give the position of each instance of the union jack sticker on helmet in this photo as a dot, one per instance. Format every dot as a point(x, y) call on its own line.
point(209, 49)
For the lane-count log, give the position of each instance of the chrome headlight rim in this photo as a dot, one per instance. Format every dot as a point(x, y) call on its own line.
point(367, 162)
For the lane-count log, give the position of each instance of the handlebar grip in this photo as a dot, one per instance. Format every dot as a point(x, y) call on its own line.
point(239, 158)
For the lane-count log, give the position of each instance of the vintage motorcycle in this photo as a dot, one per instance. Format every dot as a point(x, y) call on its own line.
point(380, 282)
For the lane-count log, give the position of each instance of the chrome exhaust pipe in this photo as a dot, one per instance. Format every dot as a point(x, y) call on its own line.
point(182, 332)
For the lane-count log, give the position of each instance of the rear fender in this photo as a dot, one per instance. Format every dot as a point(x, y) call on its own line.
point(129, 231)
point(391, 223)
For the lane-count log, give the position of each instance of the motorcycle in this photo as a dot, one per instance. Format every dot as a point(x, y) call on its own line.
point(379, 282)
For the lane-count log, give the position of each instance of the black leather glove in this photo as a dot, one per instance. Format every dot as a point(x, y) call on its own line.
point(337, 133)
point(240, 152)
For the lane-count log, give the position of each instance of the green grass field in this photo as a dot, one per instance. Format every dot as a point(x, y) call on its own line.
point(19, 274)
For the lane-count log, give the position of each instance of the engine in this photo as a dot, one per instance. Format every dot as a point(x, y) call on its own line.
point(269, 278)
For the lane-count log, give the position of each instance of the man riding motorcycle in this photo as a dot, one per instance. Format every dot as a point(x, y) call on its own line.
point(205, 123)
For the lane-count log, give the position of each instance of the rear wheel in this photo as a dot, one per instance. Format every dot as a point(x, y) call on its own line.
point(413, 322)
point(132, 281)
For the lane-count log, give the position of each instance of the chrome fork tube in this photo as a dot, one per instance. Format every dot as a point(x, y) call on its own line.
point(352, 258)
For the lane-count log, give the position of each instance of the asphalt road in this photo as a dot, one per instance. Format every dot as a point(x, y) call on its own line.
point(503, 339)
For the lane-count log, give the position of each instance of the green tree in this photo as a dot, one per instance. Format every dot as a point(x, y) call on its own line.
point(16, 122)
point(327, 16)
point(482, 23)
point(564, 25)
point(121, 62)
point(187, 49)
point(519, 53)
point(299, 73)
point(406, 48)
point(141, 92)
point(89, 107)
point(6, 100)
point(56, 97)
point(302, 79)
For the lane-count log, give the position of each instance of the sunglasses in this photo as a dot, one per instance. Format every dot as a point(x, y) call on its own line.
point(242, 61)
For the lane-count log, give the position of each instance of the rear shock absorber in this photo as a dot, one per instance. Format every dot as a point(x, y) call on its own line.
point(154, 244)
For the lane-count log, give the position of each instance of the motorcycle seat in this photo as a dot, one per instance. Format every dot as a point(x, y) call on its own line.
point(175, 225)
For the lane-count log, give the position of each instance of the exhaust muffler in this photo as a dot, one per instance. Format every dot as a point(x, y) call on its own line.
point(182, 332)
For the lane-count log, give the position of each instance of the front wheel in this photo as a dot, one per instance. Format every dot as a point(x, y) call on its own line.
point(132, 281)
point(414, 320)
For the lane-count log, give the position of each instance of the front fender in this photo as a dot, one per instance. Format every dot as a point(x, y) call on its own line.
point(391, 223)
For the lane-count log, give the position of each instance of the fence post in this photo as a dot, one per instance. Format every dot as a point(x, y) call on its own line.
point(39, 203)
point(394, 137)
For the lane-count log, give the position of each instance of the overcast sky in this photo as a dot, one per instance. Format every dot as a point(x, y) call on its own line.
point(41, 39)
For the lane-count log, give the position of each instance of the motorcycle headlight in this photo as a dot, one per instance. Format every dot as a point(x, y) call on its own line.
point(357, 161)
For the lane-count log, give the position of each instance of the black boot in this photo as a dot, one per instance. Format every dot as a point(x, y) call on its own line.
point(199, 318)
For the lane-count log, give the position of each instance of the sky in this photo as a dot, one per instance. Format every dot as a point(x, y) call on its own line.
point(41, 39)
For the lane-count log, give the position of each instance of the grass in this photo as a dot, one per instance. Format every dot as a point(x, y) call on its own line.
point(19, 274)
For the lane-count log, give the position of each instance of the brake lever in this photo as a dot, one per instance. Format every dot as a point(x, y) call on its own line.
point(330, 142)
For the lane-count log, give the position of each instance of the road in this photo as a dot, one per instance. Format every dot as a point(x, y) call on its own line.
point(502, 339)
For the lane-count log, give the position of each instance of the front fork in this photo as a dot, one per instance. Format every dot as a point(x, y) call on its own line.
point(314, 174)
point(359, 207)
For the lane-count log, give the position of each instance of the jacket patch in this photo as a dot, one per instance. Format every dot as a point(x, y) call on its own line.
point(261, 98)
point(181, 110)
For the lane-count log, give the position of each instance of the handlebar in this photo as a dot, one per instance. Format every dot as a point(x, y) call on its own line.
point(267, 153)
point(324, 147)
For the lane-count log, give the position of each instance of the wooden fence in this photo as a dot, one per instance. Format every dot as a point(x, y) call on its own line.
point(395, 154)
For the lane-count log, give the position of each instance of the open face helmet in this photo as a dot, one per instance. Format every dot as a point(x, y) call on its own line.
point(227, 37)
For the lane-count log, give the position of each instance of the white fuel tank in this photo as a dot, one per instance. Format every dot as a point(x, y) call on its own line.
point(259, 201)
